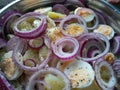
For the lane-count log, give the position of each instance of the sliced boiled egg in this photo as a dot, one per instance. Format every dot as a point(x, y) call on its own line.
point(74, 29)
point(10, 70)
point(36, 43)
point(50, 23)
point(106, 30)
point(80, 73)
point(109, 57)
point(43, 10)
point(86, 13)
point(54, 34)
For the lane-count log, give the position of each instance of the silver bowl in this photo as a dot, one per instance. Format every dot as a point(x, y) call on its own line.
point(113, 13)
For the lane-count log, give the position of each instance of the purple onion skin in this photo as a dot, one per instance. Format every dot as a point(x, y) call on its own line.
point(60, 9)
point(116, 49)
point(116, 67)
point(4, 20)
point(1, 32)
point(2, 43)
point(4, 84)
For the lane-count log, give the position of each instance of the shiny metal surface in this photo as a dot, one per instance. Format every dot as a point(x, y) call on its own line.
point(9, 5)
point(29, 5)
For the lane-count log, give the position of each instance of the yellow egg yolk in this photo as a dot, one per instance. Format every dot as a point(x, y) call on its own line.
point(54, 34)
point(104, 30)
point(74, 29)
point(85, 13)
point(79, 77)
point(8, 67)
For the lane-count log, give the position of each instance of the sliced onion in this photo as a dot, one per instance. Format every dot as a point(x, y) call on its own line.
point(102, 18)
point(101, 66)
point(4, 84)
point(96, 22)
point(116, 45)
point(100, 43)
point(2, 43)
point(35, 32)
point(60, 8)
point(93, 53)
point(1, 33)
point(79, 20)
point(92, 48)
point(70, 44)
point(89, 16)
point(17, 54)
point(8, 18)
point(41, 84)
point(30, 62)
point(40, 75)
point(54, 60)
point(47, 41)
point(92, 18)
point(11, 43)
point(36, 43)
point(116, 67)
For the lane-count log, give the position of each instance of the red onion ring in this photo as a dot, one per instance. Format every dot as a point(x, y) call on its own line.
point(2, 43)
point(64, 43)
point(54, 60)
point(116, 45)
point(37, 32)
point(96, 22)
point(4, 84)
point(41, 74)
point(116, 67)
point(39, 42)
point(18, 50)
point(92, 48)
point(11, 43)
point(47, 41)
point(101, 16)
point(31, 61)
point(85, 38)
point(79, 19)
point(1, 33)
point(6, 19)
point(93, 52)
point(60, 8)
point(112, 80)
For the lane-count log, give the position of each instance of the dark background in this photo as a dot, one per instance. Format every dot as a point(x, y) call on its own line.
point(4, 2)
